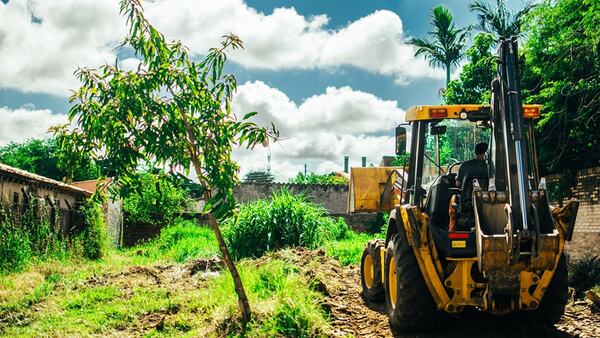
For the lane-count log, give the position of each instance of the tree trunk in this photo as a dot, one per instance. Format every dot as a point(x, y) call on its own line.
point(447, 75)
point(237, 281)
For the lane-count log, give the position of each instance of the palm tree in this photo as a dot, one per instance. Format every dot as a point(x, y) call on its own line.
point(447, 42)
point(500, 20)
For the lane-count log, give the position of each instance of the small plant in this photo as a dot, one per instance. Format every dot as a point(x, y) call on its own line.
point(285, 220)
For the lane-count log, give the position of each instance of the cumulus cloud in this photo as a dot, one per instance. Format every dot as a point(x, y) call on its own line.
point(286, 39)
point(21, 124)
point(42, 42)
point(320, 130)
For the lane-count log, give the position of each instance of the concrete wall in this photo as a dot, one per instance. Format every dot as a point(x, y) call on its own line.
point(334, 198)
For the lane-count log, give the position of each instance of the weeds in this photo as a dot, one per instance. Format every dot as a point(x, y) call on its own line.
point(180, 242)
point(285, 220)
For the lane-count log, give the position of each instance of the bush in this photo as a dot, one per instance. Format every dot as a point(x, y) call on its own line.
point(584, 274)
point(285, 220)
point(93, 238)
point(154, 200)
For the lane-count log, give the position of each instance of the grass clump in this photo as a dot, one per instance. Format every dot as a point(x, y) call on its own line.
point(180, 242)
point(284, 220)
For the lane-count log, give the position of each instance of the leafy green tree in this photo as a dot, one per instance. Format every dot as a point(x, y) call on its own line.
point(474, 82)
point(499, 19)
point(446, 43)
point(562, 72)
point(42, 157)
point(313, 178)
point(171, 111)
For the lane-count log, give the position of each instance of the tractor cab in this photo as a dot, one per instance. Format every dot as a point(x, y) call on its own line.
point(442, 139)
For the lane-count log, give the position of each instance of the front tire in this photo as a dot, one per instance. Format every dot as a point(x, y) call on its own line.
point(370, 271)
point(409, 302)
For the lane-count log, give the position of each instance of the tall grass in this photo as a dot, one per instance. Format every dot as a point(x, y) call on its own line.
point(34, 236)
point(28, 237)
point(284, 220)
point(180, 242)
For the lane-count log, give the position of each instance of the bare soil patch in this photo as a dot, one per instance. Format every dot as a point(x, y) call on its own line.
point(351, 315)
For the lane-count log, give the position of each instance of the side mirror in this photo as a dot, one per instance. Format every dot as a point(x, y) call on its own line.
point(400, 140)
point(438, 130)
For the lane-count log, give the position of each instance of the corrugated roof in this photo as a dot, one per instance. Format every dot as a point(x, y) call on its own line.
point(11, 171)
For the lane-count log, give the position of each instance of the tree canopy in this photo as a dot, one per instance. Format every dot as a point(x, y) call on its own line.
point(474, 82)
point(562, 72)
point(446, 42)
point(42, 157)
point(498, 19)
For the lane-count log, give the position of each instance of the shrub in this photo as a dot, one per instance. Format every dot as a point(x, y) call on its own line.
point(15, 251)
point(93, 238)
point(584, 274)
point(285, 220)
point(154, 199)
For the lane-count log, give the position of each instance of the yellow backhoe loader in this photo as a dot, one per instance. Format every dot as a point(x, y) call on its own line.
point(489, 241)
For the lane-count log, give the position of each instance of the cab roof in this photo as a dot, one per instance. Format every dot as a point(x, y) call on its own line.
point(462, 111)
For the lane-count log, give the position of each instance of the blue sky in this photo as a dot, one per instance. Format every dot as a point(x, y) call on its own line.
point(344, 64)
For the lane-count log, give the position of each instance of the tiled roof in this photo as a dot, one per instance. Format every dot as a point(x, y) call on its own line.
point(25, 175)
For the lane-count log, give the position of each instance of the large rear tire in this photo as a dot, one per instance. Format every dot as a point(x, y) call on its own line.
point(556, 297)
point(409, 302)
point(370, 271)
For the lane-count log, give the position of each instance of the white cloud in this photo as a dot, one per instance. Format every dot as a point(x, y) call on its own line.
point(320, 131)
point(21, 124)
point(285, 39)
point(42, 42)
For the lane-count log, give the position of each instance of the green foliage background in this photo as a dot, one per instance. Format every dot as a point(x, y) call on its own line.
point(42, 157)
point(153, 198)
point(313, 178)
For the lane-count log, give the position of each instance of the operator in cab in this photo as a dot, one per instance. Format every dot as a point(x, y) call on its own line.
point(476, 166)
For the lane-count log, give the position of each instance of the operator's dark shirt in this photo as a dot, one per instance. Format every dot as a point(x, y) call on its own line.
point(472, 167)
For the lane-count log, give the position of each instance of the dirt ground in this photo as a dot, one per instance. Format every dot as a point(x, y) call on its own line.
point(352, 316)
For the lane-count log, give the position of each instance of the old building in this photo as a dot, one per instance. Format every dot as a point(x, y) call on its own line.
point(18, 188)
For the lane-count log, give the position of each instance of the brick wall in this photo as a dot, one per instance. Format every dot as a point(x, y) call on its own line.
point(587, 191)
